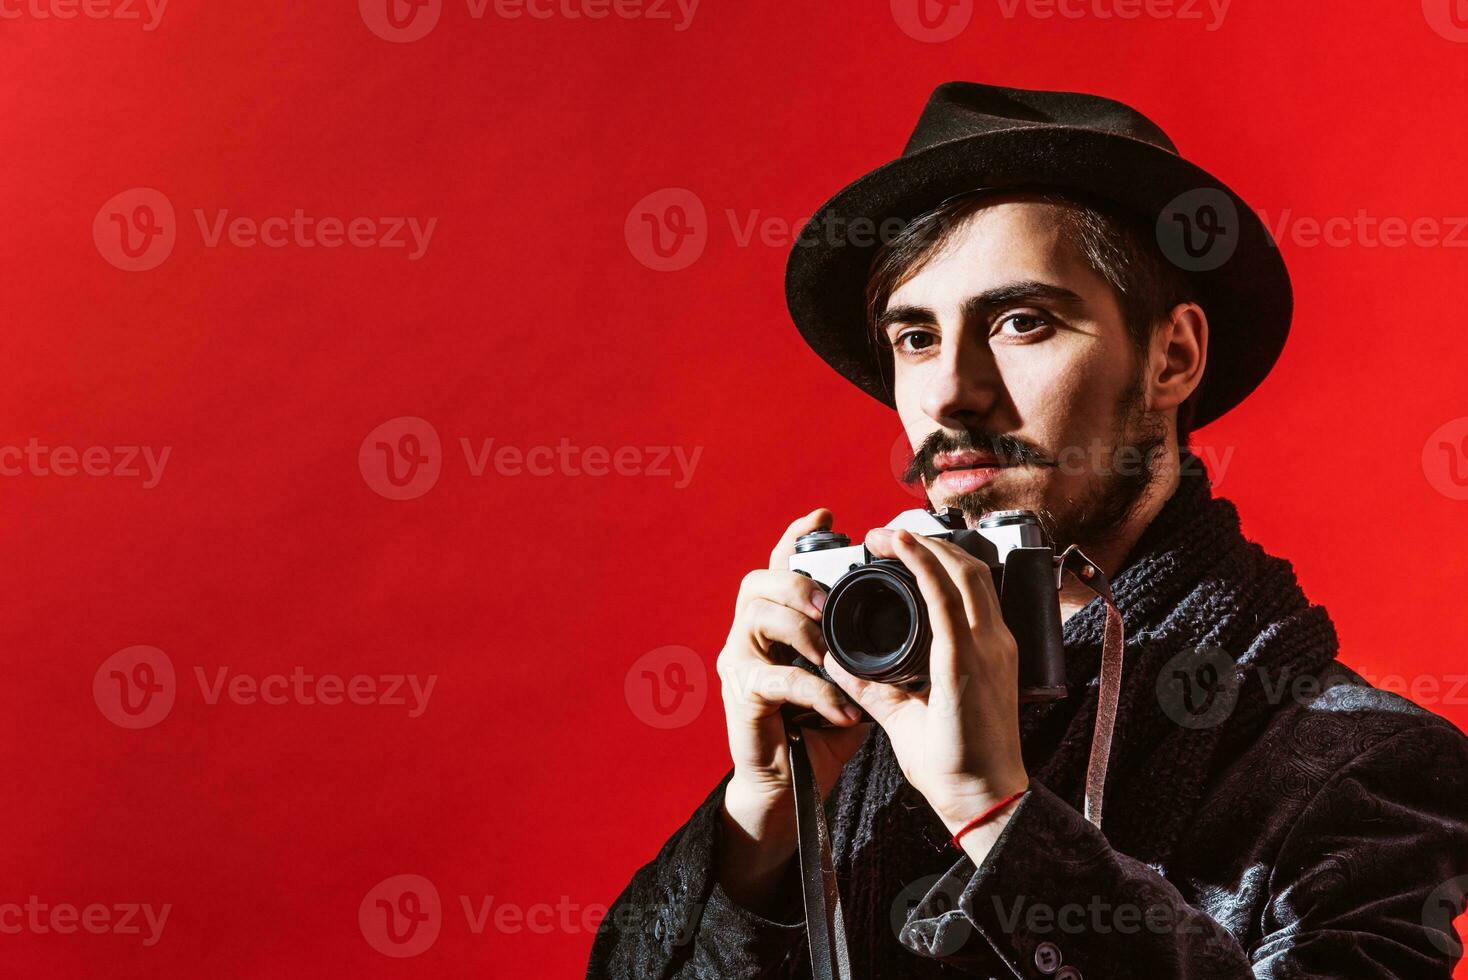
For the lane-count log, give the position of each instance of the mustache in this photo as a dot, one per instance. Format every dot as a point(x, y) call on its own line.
point(1009, 450)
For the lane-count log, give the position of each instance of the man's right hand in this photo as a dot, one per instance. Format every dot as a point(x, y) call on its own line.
point(775, 606)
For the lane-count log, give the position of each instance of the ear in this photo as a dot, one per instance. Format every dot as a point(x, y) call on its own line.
point(1179, 354)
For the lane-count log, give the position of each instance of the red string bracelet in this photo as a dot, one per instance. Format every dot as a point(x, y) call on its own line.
point(985, 816)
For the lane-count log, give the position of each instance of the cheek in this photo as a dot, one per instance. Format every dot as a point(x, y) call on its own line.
point(1063, 395)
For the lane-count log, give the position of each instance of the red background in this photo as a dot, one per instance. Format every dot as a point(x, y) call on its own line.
point(530, 777)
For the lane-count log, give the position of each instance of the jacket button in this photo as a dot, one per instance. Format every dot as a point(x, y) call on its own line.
point(1047, 958)
point(1068, 973)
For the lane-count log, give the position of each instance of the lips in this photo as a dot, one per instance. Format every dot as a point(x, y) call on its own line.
point(964, 472)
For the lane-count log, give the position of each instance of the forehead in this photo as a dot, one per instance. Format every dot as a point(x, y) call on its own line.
point(1001, 243)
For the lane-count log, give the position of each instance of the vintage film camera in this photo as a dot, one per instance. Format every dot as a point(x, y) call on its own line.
point(875, 622)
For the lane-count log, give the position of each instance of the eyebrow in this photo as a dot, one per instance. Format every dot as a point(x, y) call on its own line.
point(985, 304)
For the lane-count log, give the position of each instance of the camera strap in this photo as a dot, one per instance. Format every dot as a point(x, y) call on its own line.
point(824, 924)
point(825, 927)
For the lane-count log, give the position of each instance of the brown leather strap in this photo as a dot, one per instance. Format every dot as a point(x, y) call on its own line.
point(1113, 647)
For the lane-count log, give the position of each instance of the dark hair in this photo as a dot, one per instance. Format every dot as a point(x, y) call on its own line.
point(1116, 244)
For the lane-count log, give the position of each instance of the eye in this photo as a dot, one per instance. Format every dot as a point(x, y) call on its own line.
point(914, 341)
point(1022, 325)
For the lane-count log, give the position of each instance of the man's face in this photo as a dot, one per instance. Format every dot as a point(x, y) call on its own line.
point(1016, 379)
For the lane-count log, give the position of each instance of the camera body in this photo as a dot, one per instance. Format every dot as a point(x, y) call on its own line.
point(875, 621)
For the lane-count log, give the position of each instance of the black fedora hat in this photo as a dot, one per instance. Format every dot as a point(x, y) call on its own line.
point(976, 137)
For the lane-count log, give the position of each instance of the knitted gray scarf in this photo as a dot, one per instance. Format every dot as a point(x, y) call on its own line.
point(1192, 582)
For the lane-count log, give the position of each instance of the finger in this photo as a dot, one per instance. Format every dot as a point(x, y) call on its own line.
point(817, 520)
point(769, 623)
point(946, 613)
point(879, 700)
point(800, 592)
point(973, 577)
point(769, 686)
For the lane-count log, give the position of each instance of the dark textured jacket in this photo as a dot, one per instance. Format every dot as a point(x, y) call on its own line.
point(1319, 830)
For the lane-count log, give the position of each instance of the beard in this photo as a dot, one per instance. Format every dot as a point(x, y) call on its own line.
point(1119, 472)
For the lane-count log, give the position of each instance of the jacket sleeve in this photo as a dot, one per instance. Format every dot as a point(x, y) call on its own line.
point(1365, 885)
point(673, 920)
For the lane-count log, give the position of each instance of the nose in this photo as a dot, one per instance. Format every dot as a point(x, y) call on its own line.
point(964, 387)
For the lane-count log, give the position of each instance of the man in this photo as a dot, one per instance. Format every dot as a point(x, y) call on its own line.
point(1063, 299)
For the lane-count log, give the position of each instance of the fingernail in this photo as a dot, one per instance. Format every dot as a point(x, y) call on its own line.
point(852, 711)
point(819, 601)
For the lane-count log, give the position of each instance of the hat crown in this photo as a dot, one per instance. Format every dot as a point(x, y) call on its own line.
point(958, 110)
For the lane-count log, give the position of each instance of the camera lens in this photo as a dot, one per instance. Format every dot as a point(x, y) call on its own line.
point(875, 624)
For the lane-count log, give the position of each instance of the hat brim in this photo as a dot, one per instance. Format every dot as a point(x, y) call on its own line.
point(1247, 297)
